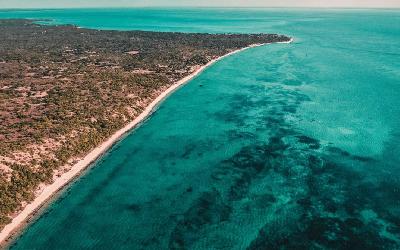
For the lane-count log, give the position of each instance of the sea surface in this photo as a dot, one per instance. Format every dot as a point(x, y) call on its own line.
point(285, 146)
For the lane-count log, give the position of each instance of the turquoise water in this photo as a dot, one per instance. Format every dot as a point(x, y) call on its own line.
point(286, 146)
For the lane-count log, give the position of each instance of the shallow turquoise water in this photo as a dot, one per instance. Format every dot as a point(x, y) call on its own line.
point(279, 147)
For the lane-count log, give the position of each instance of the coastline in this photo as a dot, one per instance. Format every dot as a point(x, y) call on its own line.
point(50, 191)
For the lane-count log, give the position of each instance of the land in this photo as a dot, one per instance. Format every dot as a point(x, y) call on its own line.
point(67, 94)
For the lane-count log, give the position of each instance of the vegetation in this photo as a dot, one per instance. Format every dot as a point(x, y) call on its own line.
point(64, 90)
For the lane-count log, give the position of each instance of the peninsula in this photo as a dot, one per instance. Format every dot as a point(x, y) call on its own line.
point(67, 94)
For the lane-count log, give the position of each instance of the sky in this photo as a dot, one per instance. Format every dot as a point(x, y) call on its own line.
point(203, 3)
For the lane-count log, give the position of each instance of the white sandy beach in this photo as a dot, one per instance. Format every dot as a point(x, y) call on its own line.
point(59, 183)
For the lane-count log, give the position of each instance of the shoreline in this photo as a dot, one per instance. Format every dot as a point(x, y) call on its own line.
point(24, 216)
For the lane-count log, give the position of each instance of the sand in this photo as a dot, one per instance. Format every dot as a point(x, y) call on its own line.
point(49, 191)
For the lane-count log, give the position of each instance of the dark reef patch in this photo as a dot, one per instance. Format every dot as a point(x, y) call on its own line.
point(313, 143)
point(208, 209)
point(134, 207)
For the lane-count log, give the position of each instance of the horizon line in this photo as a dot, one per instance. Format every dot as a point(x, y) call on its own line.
point(202, 7)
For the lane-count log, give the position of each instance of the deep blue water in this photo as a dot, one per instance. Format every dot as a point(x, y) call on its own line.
point(285, 146)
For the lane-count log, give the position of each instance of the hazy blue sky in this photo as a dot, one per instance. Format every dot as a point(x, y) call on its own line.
point(233, 3)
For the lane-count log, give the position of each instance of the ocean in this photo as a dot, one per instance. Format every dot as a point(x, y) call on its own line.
point(284, 146)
